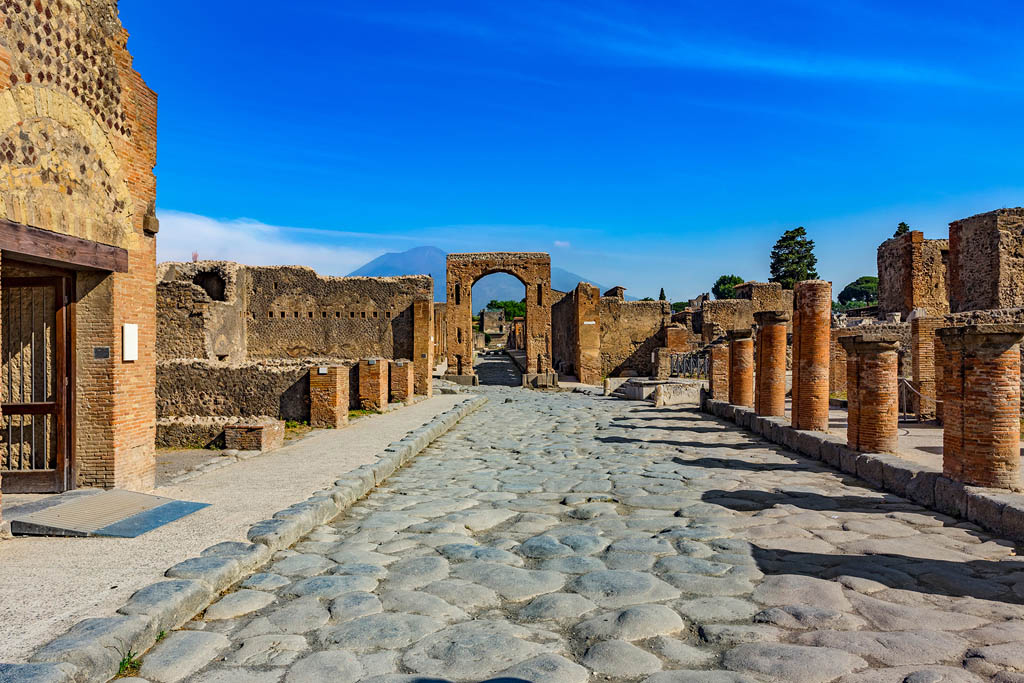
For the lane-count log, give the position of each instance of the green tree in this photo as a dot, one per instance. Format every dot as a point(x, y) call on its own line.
point(901, 229)
point(861, 292)
point(793, 259)
point(513, 309)
point(662, 297)
point(679, 306)
point(725, 286)
point(647, 298)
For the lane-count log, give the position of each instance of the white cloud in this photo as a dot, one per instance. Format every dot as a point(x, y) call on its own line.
point(253, 243)
point(562, 244)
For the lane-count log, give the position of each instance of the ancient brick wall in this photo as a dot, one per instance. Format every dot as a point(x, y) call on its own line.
point(563, 333)
point(440, 337)
point(912, 274)
point(328, 396)
point(986, 261)
point(729, 314)
point(202, 311)
point(630, 332)
point(493, 322)
point(78, 143)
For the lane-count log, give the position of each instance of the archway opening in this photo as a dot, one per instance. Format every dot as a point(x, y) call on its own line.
point(497, 300)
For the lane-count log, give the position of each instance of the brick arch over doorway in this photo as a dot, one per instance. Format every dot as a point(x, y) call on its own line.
point(533, 270)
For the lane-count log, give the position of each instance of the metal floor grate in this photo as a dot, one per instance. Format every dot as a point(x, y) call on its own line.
point(109, 513)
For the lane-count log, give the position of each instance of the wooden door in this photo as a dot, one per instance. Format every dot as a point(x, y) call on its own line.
point(35, 383)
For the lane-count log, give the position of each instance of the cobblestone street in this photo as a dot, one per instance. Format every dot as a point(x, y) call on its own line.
point(564, 538)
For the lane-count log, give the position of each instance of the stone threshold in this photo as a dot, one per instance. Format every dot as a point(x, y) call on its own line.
point(996, 510)
point(91, 650)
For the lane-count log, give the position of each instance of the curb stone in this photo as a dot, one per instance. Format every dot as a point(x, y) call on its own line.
point(998, 511)
point(91, 650)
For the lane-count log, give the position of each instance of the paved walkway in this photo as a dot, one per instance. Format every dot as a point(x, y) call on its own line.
point(48, 584)
point(497, 370)
point(560, 537)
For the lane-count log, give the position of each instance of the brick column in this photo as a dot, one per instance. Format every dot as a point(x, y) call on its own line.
point(741, 368)
point(423, 345)
point(922, 335)
point(403, 380)
point(718, 374)
point(770, 366)
point(940, 373)
point(328, 396)
point(981, 434)
point(872, 392)
point(373, 383)
point(812, 322)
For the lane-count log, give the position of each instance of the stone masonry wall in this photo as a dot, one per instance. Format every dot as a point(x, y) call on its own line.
point(78, 147)
point(837, 364)
point(630, 332)
point(986, 261)
point(912, 274)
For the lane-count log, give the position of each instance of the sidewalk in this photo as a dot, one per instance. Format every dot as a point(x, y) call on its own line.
point(48, 584)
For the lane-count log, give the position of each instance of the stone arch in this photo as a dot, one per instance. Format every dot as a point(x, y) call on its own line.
point(533, 269)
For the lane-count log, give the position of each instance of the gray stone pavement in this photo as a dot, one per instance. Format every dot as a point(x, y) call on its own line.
point(568, 538)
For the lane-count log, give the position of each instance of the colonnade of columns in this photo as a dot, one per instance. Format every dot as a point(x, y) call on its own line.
point(976, 384)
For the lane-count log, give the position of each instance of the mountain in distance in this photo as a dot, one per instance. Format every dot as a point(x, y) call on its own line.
point(431, 261)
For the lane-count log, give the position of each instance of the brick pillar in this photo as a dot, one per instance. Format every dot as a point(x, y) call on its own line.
point(940, 372)
point(872, 391)
point(812, 322)
point(403, 380)
point(718, 374)
point(328, 396)
point(741, 368)
point(981, 434)
point(423, 345)
point(922, 336)
point(770, 365)
point(373, 383)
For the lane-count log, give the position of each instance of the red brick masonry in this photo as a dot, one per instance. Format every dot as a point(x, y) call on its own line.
point(981, 413)
point(373, 383)
point(812, 322)
point(872, 393)
point(770, 366)
point(402, 380)
point(741, 368)
point(328, 396)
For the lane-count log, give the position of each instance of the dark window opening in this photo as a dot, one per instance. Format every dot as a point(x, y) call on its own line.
point(337, 314)
point(351, 314)
point(362, 313)
point(325, 314)
point(311, 314)
point(271, 315)
point(458, 335)
point(458, 295)
point(296, 314)
point(212, 283)
point(282, 314)
point(222, 356)
point(388, 314)
point(540, 294)
point(375, 314)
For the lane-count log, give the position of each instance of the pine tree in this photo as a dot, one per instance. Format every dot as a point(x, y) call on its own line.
point(901, 229)
point(662, 297)
point(725, 286)
point(793, 259)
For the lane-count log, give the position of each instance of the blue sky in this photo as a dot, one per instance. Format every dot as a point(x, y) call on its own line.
point(645, 143)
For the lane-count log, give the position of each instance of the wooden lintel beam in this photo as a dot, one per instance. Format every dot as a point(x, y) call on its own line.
point(58, 249)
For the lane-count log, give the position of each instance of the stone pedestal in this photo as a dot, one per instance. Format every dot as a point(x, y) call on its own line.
point(373, 383)
point(981, 412)
point(872, 393)
point(328, 396)
point(662, 363)
point(812, 322)
point(770, 363)
point(718, 374)
point(741, 368)
point(254, 436)
point(403, 380)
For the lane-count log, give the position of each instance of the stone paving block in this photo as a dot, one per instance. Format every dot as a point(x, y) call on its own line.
point(169, 603)
point(215, 571)
point(181, 654)
point(95, 646)
point(38, 673)
point(950, 497)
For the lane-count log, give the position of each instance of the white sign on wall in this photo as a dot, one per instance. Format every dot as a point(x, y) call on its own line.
point(130, 342)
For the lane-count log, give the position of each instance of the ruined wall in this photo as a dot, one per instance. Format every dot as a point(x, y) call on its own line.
point(493, 322)
point(630, 332)
point(912, 274)
point(78, 147)
point(986, 261)
point(730, 314)
point(202, 311)
point(440, 334)
point(766, 296)
point(563, 334)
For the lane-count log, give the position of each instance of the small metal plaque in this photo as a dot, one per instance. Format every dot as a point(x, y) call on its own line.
point(371, 361)
point(100, 352)
point(322, 370)
point(589, 322)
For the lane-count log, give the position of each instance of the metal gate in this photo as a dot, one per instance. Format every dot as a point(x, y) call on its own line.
point(34, 376)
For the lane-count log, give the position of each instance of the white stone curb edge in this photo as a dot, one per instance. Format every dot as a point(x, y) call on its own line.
point(998, 511)
point(91, 650)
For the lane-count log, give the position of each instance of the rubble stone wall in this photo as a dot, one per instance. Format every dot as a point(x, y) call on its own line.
point(986, 261)
point(630, 332)
point(912, 274)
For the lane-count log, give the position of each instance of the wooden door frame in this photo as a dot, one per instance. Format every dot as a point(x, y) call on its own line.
point(62, 477)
